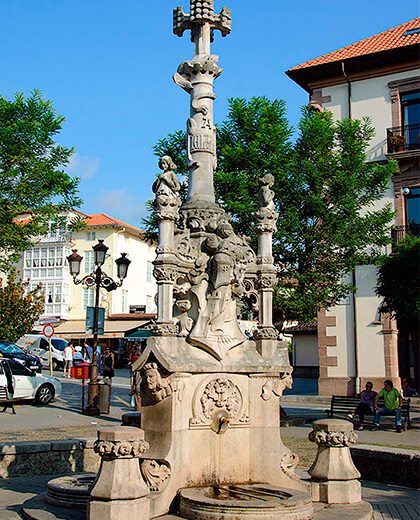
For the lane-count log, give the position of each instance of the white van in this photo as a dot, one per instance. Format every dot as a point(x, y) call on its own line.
point(38, 344)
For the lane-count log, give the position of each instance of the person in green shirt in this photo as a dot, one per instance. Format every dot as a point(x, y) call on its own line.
point(393, 402)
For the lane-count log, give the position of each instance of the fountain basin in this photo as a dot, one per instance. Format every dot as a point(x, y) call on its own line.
point(253, 501)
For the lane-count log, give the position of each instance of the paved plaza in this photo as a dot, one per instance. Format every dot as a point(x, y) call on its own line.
point(63, 419)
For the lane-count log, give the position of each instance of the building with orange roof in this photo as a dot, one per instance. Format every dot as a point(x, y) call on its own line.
point(46, 262)
point(378, 78)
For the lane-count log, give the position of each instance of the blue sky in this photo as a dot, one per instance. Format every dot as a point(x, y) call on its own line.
point(108, 68)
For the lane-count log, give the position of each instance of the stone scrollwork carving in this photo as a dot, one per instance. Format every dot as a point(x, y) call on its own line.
point(265, 333)
point(219, 394)
point(164, 329)
point(155, 474)
point(288, 465)
point(343, 438)
point(165, 273)
point(154, 387)
point(120, 449)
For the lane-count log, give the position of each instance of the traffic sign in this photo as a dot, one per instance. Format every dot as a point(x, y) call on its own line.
point(48, 331)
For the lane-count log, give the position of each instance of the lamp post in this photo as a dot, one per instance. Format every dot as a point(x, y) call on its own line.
point(97, 279)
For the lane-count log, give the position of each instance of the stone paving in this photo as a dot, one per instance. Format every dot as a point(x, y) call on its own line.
point(389, 502)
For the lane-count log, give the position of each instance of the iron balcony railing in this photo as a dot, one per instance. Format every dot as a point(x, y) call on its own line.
point(403, 138)
point(400, 232)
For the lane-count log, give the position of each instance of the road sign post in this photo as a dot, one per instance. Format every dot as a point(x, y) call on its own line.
point(48, 331)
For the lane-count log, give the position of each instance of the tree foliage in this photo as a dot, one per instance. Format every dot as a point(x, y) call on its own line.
point(325, 195)
point(399, 282)
point(34, 188)
point(20, 306)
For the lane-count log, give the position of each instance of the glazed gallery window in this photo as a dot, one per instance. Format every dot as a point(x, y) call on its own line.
point(44, 262)
point(56, 297)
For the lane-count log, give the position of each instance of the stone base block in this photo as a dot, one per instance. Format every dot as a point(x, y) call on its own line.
point(360, 511)
point(336, 492)
point(119, 509)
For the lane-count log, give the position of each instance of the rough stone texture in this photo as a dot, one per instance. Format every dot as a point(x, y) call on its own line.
point(390, 465)
point(334, 476)
point(119, 490)
point(45, 457)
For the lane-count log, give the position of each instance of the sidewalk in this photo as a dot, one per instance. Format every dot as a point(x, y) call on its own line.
point(389, 502)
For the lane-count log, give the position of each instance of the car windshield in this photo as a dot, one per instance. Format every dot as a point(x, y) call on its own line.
point(59, 344)
point(9, 348)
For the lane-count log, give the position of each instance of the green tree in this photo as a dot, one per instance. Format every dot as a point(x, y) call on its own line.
point(34, 188)
point(325, 195)
point(20, 306)
point(399, 283)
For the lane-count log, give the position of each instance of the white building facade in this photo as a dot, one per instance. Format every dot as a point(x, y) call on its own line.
point(46, 263)
point(376, 78)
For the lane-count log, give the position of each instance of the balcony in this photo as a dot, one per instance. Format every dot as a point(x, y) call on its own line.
point(400, 232)
point(403, 138)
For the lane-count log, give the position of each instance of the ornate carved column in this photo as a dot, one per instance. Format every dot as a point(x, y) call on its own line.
point(334, 476)
point(266, 219)
point(119, 490)
point(167, 203)
point(196, 77)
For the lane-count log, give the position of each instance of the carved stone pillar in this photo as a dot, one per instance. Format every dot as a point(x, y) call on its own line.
point(334, 476)
point(165, 275)
point(266, 219)
point(119, 490)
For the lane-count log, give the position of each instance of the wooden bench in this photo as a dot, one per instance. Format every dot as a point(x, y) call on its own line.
point(343, 405)
point(5, 402)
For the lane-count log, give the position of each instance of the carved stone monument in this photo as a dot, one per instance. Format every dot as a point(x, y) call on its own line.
point(210, 395)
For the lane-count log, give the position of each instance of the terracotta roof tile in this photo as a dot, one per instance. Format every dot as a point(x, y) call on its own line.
point(102, 219)
point(387, 40)
point(302, 328)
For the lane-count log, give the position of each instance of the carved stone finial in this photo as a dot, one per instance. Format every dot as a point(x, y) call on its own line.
point(201, 12)
point(265, 216)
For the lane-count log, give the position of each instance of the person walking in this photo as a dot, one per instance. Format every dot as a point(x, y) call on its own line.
point(87, 352)
point(365, 406)
point(108, 364)
point(68, 359)
point(393, 402)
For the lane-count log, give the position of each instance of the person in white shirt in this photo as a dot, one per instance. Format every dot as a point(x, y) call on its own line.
point(68, 359)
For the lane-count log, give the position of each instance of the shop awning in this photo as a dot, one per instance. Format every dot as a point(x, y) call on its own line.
point(142, 333)
point(75, 329)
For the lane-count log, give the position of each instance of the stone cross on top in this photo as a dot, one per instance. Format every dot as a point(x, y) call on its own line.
point(196, 77)
point(201, 21)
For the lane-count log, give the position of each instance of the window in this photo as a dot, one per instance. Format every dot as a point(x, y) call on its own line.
point(124, 295)
point(88, 298)
point(91, 236)
point(149, 271)
point(410, 108)
point(412, 201)
point(89, 262)
point(148, 303)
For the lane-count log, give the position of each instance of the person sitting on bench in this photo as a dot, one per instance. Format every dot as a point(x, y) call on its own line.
point(366, 404)
point(393, 402)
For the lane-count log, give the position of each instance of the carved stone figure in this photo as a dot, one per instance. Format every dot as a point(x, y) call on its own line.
point(154, 387)
point(266, 216)
point(167, 186)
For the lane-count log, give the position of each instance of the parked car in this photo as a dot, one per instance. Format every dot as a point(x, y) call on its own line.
point(11, 351)
point(27, 384)
point(38, 345)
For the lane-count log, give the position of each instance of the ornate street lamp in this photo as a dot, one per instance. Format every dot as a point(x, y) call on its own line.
point(97, 279)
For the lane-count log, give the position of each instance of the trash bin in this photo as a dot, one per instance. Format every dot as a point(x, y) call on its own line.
point(104, 396)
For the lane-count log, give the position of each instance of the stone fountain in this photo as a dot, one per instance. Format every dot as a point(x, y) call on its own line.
point(209, 447)
point(211, 395)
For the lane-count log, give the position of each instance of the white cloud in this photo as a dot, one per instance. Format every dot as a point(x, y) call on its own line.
point(120, 204)
point(84, 167)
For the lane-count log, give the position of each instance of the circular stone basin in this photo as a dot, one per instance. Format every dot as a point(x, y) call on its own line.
point(247, 501)
point(71, 492)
